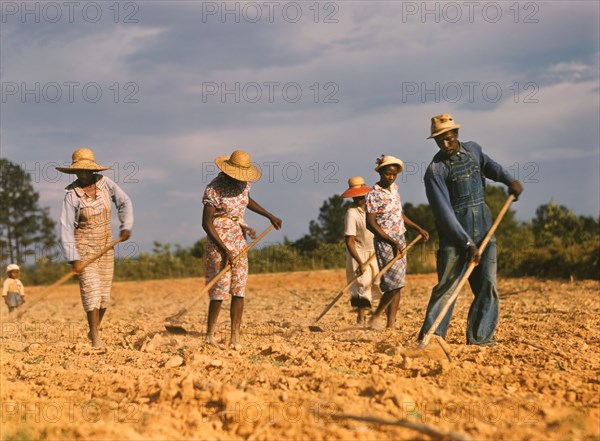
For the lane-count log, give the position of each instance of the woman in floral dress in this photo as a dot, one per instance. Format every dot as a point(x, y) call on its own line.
point(387, 222)
point(225, 200)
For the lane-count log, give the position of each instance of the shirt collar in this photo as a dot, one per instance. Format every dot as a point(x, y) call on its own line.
point(387, 190)
point(462, 152)
point(359, 208)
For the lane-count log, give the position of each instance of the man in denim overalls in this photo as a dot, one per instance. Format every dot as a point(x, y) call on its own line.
point(455, 184)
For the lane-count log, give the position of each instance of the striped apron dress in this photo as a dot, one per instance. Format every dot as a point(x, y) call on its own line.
point(92, 234)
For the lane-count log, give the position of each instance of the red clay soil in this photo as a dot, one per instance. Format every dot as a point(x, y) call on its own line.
point(541, 382)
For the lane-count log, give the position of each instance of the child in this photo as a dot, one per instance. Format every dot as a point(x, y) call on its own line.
point(13, 291)
point(359, 248)
point(386, 221)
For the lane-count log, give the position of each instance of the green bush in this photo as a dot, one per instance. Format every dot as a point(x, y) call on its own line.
point(276, 258)
point(579, 261)
point(45, 271)
point(422, 258)
point(163, 265)
point(556, 244)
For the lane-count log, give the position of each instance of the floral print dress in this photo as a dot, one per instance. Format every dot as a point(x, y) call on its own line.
point(230, 199)
point(387, 206)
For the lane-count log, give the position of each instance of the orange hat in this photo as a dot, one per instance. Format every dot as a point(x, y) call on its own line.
point(356, 188)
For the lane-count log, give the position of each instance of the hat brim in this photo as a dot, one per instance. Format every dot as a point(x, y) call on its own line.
point(447, 129)
point(72, 169)
point(356, 192)
point(399, 164)
point(250, 174)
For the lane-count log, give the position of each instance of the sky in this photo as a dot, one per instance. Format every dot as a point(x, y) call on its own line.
point(313, 91)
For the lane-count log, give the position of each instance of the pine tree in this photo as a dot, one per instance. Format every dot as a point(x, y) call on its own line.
point(329, 228)
point(25, 227)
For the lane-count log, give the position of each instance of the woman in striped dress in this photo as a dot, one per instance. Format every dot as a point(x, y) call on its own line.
point(86, 230)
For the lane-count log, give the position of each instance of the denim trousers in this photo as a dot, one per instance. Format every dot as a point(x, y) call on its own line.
point(483, 313)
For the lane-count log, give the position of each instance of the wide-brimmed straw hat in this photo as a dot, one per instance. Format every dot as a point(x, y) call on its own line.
point(384, 160)
point(356, 188)
point(441, 124)
point(12, 267)
point(82, 160)
point(238, 166)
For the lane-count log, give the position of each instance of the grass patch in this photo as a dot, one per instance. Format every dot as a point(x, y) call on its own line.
point(255, 358)
point(20, 435)
point(35, 360)
point(345, 371)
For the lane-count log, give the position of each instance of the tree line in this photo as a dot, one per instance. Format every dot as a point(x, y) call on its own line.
point(556, 243)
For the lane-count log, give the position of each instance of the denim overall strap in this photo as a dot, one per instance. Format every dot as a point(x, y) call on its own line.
point(465, 182)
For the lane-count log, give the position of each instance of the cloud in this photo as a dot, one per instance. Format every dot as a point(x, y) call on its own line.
point(94, 56)
point(573, 71)
point(363, 63)
point(566, 114)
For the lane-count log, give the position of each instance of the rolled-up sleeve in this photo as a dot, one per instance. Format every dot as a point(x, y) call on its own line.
point(439, 200)
point(67, 227)
point(350, 223)
point(123, 204)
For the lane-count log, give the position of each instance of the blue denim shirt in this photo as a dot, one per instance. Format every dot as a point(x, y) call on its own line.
point(438, 195)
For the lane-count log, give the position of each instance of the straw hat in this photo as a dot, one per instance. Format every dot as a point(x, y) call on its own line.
point(238, 166)
point(442, 124)
point(356, 188)
point(384, 160)
point(12, 267)
point(82, 160)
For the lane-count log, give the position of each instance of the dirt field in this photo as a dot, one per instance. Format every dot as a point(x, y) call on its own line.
point(540, 383)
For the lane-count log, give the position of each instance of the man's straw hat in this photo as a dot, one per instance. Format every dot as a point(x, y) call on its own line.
point(82, 160)
point(384, 160)
point(356, 188)
point(442, 124)
point(238, 166)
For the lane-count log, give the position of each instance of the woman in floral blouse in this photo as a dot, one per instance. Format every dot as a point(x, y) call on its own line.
point(225, 200)
point(386, 221)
